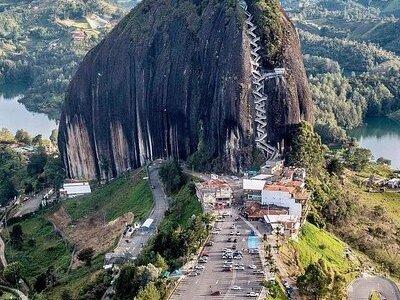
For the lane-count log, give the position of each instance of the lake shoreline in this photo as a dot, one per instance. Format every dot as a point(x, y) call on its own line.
point(381, 135)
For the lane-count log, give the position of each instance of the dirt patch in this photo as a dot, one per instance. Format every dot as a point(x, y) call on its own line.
point(92, 231)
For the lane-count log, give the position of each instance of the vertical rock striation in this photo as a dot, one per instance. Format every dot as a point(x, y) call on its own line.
point(167, 69)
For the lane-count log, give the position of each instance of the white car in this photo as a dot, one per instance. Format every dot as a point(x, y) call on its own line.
point(199, 267)
point(253, 267)
point(239, 268)
point(236, 288)
point(232, 233)
point(253, 294)
point(193, 274)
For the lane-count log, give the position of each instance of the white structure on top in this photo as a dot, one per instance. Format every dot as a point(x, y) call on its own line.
point(281, 196)
point(259, 96)
point(75, 189)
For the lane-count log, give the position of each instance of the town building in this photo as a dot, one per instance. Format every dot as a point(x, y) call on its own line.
point(215, 192)
point(288, 225)
point(281, 196)
point(75, 189)
point(252, 189)
point(277, 199)
point(272, 167)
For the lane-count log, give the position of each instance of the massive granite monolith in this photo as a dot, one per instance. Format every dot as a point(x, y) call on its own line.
point(172, 71)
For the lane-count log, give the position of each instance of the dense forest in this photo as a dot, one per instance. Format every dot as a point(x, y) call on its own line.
point(351, 54)
point(42, 43)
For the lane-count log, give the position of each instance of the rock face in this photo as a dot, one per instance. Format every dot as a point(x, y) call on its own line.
point(168, 71)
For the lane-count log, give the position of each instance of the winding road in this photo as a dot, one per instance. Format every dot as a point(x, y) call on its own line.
point(361, 288)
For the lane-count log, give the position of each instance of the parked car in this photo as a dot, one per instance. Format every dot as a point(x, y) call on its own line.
point(216, 293)
point(253, 267)
point(239, 268)
point(236, 288)
point(199, 267)
point(253, 294)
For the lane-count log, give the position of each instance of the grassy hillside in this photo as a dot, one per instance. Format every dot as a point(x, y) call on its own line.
point(186, 205)
point(315, 243)
point(41, 248)
point(122, 195)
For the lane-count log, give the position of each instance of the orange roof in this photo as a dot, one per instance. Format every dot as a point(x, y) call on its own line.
point(214, 183)
point(279, 187)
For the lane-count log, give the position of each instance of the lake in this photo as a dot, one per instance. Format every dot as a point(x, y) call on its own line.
point(14, 116)
point(381, 136)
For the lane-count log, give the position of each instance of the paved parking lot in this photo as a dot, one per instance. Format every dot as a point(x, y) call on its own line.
point(213, 278)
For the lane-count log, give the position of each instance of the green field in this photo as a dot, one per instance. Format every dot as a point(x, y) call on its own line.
point(122, 195)
point(315, 243)
point(41, 248)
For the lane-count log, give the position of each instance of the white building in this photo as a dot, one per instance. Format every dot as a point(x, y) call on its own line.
point(75, 189)
point(281, 196)
point(252, 188)
point(286, 224)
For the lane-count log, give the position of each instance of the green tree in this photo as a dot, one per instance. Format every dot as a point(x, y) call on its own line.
point(16, 236)
point(150, 292)
point(36, 164)
point(86, 255)
point(40, 283)
point(160, 262)
point(357, 158)
point(37, 140)
point(53, 172)
point(335, 167)
point(23, 136)
point(12, 273)
point(172, 176)
point(305, 148)
point(314, 283)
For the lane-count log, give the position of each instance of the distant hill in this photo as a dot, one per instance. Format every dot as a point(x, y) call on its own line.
point(352, 52)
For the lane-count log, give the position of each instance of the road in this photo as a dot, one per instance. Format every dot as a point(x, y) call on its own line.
point(134, 244)
point(212, 278)
point(361, 288)
point(29, 206)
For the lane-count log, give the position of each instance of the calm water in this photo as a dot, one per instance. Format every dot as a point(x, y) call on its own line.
point(382, 137)
point(14, 116)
